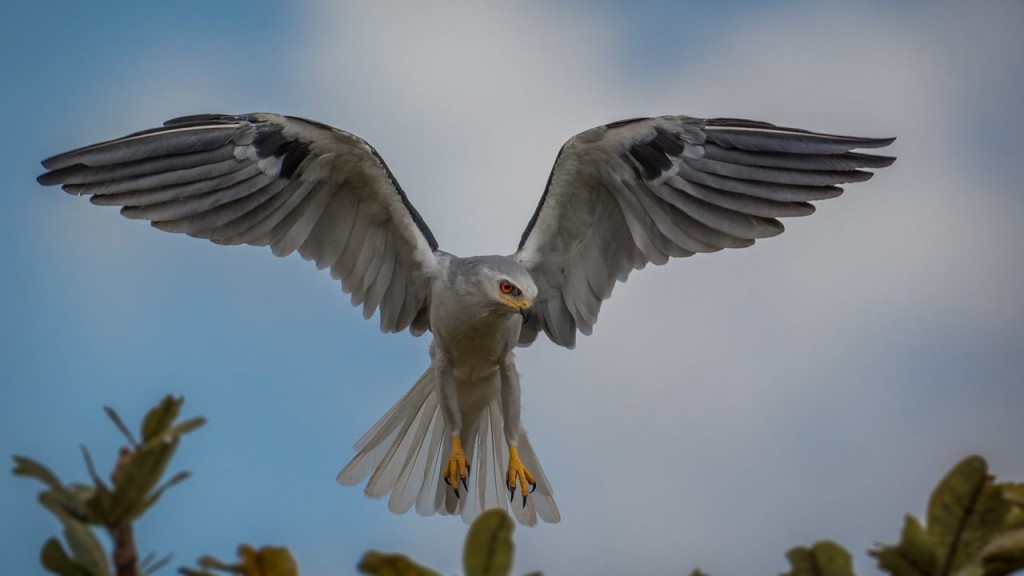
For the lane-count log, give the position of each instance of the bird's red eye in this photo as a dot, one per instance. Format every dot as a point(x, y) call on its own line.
point(506, 287)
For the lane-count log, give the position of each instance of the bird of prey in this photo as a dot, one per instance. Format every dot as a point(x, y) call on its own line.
point(619, 196)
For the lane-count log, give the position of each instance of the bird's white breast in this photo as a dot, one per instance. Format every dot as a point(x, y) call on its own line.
point(476, 343)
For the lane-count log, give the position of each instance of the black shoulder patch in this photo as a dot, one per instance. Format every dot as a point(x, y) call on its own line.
point(654, 156)
point(293, 153)
point(668, 143)
point(268, 139)
point(271, 141)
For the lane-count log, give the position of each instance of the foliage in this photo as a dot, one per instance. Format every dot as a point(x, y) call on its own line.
point(135, 487)
point(488, 551)
point(974, 526)
point(267, 561)
point(825, 558)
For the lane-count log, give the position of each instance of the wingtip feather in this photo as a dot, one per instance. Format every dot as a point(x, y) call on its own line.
point(52, 177)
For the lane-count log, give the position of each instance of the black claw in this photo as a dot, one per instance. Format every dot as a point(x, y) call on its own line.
point(457, 493)
point(464, 485)
point(533, 487)
point(524, 500)
point(511, 494)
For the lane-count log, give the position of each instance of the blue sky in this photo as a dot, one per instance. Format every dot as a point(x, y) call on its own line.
point(727, 406)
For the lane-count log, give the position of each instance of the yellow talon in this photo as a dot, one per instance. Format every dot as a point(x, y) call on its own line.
point(457, 468)
point(518, 475)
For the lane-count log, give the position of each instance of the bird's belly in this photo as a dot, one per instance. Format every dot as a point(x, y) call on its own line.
point(475, 362)
point(477, 354)
point(470, 373)
point(476, 387)
point(478, 344)
point(475, 349)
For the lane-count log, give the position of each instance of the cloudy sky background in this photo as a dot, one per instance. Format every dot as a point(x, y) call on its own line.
point(727, 407)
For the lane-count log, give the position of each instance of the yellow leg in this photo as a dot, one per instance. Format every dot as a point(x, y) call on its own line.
point(518, 475)
point(458, 467)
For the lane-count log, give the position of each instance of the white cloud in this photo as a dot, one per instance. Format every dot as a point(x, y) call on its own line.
point(468, 105)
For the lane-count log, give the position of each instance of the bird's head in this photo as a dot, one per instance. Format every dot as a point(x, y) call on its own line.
point(509, 286)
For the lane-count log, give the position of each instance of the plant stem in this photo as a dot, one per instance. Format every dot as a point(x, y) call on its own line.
point(125, 555)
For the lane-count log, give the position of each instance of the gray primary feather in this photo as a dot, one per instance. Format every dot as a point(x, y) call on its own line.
point(619, 196)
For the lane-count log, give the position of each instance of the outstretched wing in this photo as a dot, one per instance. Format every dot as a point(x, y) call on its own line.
point(644, 190)
point(271, 180)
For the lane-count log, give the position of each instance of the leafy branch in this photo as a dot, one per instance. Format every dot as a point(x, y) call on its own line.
point(974, 526)
point(135, 486)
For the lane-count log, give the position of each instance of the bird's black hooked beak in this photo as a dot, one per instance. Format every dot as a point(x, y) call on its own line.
point(526, 312)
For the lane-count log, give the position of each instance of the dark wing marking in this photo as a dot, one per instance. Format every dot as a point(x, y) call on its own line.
point(644, 190)
point(270, 180)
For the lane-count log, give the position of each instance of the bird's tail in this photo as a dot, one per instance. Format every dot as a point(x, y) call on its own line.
point(404, 452)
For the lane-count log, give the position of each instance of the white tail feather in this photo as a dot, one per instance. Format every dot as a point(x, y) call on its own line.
point(404, 451)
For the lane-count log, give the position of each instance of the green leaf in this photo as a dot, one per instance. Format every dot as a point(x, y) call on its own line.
point(965, 511)
point(824, 558)
point(99, 504)
point(160, 417)
point(970, 570)
point(268, 561)
point(915, 555)
point(174, 432)
point(85, 548)
point(187, 426)
point(1004, 554)
point(138, 476)
point(113, 415)
point(30, 468)
point(802, 561)
point(1013, 493)
point(489, 545)
point(91, 467)
point(54, 559)
point(380, 564)
point(70, 502)
point(78, 503)
point(153, 497)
